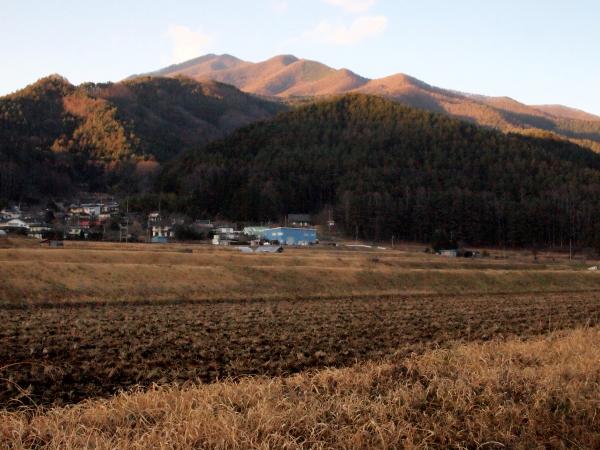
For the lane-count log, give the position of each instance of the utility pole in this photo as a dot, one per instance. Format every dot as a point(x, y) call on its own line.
point(127, 221)
point(570, 249)
point(330, 222)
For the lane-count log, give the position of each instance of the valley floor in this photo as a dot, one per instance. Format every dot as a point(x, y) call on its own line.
point(109, 346)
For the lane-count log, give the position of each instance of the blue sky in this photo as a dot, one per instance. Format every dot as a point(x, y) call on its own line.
point(535, 51)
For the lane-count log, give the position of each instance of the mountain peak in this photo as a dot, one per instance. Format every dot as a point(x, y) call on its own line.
point(285, 60)
point(404, 79)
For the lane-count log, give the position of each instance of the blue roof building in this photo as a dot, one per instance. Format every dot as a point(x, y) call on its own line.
point(291, 236)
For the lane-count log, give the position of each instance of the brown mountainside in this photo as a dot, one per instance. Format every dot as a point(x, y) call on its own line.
point(565, 112)
point(283, 75)
point(287, 76)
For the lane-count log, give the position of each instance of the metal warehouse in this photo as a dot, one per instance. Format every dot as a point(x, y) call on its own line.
point(291, 236)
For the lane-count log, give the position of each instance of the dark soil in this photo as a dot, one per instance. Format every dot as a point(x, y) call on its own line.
point(64, 354)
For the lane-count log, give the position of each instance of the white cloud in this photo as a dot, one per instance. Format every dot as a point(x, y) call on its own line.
point(362, 28)
point(279, 6)
point(186, 43)
point(353, 6)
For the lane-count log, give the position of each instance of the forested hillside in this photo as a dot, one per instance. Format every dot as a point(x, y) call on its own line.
point(56, 137)
point(390, 170)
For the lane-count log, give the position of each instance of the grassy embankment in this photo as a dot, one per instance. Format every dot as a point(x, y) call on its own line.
point(115, 272)
point(542, 393)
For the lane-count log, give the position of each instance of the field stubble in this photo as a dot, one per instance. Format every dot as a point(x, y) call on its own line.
point(63, 354)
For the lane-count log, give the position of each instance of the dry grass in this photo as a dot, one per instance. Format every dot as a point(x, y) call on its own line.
point(542, 393)
point(113, 272)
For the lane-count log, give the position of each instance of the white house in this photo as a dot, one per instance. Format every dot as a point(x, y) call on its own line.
point(37, 230)
point(15, 224)
point(111, 207)
point(93, 209)
point(162, 231)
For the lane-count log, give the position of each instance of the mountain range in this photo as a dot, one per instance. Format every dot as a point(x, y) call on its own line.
point(291, 78)
point(57, 138)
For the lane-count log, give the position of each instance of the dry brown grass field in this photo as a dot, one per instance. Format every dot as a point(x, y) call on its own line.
point(104, 272)
point(319, 347)
point(540, 393)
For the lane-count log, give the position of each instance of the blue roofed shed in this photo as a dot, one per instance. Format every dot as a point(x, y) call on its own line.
point(291, 236)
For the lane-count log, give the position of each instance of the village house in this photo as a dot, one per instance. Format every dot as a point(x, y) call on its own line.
point(92, 209)
point(39, 230)
point(76, 232)
point(111, 207)
point(235, 238)
point(225, 232)
point(75, 209)
point(107, 211)
point(163, 231)
point(160, 229)
point(94, 212)
point(84, 220)
point(225, 229)
point(15, 225)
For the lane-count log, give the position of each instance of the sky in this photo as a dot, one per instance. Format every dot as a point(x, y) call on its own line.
point(536, 51)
